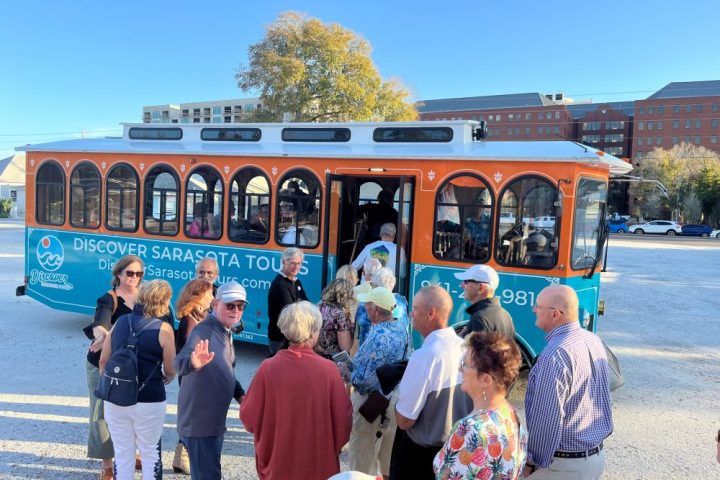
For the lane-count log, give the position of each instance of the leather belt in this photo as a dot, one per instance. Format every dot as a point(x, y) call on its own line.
point(583, 454)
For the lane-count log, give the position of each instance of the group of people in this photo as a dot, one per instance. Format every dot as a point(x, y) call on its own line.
point(343, 372)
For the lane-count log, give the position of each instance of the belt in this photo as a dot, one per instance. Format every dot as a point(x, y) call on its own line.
point(583, 454)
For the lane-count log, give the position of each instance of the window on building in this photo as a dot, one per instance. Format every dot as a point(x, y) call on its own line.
point(714, 123)
point(463, 220)
point(713, 139)
point(675, 140)
point(676, 124)
point(697, 139)
point(642, 111)
point(204, 203)
point(639, 155)
point(676, 108)
point(641, 125)
point(50, 194)
point(688, 123)
point(650, 110)
point(715, 107)
point(528, 116)
point(122, 199)
point(661, 109)
point(85, 196)
point(640, 141)
point(527, 224)
point(658, 140)
point(688, 108)
point(650, 125)
point(527, 131)
point(249, 213)
point(161, 201)
point(698, 108)
point(698, 123)
point(298, 209)
point(659, 125)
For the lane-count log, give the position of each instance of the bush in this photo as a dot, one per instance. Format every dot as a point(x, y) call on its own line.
point(5, 206)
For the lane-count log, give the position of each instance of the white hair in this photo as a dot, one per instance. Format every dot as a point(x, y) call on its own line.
point(371, 265)
point(383, 277)
point(388, 229)
point(299, 321)
point(292, 252)
point(210, 260)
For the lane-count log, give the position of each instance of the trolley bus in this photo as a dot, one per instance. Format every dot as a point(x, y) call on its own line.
point(241, 193)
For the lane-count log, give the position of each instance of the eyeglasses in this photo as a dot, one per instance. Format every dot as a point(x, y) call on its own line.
point(293, 264)
point(470, 281)
point(536, 306)
point(235, 306)
point(465, 365)
point(131, 274)
point(206, 272)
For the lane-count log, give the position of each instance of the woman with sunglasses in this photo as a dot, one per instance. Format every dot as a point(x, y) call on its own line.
point(192, 308)
point(490, 442)
point(120, 300)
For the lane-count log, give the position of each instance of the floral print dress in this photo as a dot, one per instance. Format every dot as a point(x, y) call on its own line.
point(334, 320)
point(487, 444)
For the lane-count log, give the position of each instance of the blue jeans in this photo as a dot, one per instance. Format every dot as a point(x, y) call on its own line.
point(204, 453)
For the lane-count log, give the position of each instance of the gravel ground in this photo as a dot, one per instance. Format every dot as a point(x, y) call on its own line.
point(662, 322)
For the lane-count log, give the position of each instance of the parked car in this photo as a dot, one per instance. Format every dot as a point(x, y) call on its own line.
point(617, 226)
point(664, 227)
point(544, 222)
point(715, 233)
point(697, 230)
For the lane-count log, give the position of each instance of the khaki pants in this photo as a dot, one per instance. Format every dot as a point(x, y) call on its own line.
point(99, 442)
point(365, 448)
point(589, 468)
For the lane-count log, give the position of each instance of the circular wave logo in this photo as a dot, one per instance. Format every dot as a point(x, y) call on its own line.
point(50, 253)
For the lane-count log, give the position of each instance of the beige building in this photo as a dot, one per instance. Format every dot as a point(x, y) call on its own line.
point(218, 111)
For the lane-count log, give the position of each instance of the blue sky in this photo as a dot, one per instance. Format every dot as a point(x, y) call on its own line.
point(69, 67)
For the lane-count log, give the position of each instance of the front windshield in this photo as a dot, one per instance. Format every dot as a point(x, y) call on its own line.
point(589, 208)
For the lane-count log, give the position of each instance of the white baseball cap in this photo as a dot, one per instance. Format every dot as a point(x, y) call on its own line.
point(480, 273)
point(380, 296)
point(231, 292)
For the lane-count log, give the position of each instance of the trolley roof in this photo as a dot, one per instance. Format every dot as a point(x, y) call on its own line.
point(360, 145)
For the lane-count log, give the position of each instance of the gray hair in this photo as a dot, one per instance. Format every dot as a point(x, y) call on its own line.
point(299, 321)
point(388, 229)
point(348, 272)
point(292, 252)
point(384, 277)
point(211, 260)
point(370, 266)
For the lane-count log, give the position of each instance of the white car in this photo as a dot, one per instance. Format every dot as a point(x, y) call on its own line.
point(544, 222)
point(663, 227)
point(715, 234)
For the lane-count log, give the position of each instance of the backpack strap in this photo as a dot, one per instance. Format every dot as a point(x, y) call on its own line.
point(133, 337)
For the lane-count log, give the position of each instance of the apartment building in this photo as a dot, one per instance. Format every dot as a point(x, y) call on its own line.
point(218, 111)
point(679, 112)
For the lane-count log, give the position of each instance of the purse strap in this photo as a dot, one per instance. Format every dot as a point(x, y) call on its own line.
point(134, 336)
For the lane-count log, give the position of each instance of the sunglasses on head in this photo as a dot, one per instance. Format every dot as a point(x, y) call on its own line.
point(131, 274)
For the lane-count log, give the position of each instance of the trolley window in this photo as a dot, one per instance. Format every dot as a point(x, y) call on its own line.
point(316, 134)
point(85, 196)
point(249, 219)
point(413, 134)
point(231, 134)
point(50, 194)
point(463, 220)
point(527, 228)
point(589, 213)
point(298, 209)
point(161, 201)
point(204, 204)
point(143, 133)
point(121, 203)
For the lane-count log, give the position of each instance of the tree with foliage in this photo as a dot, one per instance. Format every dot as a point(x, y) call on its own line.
point(308, 71)
point(683, 169)
point(691, 208)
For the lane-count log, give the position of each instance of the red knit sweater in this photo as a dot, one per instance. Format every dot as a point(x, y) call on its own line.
point(299, 412)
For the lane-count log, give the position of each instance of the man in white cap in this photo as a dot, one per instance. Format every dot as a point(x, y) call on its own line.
point(206, 364)
point(479, 283)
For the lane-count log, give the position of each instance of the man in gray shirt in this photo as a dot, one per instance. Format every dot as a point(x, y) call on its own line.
point(206, 364)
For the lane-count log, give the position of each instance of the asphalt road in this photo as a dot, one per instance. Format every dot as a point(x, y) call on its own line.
point(663, 300)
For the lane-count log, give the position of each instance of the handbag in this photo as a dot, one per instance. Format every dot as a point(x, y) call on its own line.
point(375, 405)
point(616, 377)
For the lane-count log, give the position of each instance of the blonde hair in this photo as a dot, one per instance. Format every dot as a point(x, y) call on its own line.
point(348, 273)
point(339, 292)
point(190, 297)
point(121, 265)
point(155, 298)
point(299, 321)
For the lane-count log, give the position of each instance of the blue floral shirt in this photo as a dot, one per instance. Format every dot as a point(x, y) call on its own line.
point(386, 343)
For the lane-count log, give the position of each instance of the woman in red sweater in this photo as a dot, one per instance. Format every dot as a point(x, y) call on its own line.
point(297, 407)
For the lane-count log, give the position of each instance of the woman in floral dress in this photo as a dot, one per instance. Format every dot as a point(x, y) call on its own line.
point(490, 443)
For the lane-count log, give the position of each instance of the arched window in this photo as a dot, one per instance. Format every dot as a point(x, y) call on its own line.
point(527, 227)
point(50, 194)
point(298, 210)
point(204, 204)
point(463, 219)
point(121, 206)
point(249, 219)
point(161, 201)
point(85, 196)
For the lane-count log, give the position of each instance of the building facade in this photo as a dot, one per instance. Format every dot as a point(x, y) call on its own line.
point(218, 111)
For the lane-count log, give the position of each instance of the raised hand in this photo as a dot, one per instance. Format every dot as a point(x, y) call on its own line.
point(200, 355)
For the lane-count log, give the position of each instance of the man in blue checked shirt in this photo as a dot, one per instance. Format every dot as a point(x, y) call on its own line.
point(567, 404)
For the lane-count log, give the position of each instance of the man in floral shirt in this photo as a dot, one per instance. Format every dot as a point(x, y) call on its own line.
point(386, 343)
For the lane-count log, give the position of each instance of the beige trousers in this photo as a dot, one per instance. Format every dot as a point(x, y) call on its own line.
point(589, 468)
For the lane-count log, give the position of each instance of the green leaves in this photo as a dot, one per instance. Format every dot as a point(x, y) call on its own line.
point(315, 72)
